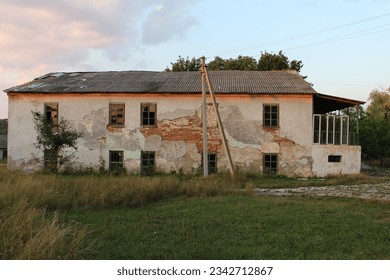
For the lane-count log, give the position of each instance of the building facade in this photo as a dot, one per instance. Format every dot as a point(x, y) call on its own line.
point(274, 122)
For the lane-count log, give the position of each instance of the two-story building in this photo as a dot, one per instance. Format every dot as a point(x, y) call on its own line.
point(274, 122)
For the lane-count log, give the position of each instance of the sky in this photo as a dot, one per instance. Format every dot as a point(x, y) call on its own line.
point(344, 45)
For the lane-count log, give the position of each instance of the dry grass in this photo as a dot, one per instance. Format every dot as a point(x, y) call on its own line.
point(56, 192)
point(29, 233)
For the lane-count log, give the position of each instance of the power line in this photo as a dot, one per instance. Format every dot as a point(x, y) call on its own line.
point(257, 46)
point(342, 37)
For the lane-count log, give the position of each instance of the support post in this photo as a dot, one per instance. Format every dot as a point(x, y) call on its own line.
point(221, 130)
point(204, 119)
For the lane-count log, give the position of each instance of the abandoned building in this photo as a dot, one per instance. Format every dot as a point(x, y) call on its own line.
point(274, 122)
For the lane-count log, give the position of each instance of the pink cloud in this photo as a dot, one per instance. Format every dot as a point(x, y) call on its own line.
point(56, 35)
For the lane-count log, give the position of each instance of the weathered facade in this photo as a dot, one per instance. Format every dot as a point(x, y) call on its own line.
point(146, 121)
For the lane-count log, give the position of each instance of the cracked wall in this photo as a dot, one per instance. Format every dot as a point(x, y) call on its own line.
point(177, 138)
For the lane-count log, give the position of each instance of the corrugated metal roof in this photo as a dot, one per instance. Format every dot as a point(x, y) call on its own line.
point(252, 82)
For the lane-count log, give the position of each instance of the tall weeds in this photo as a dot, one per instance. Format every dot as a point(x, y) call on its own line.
point(30, 233)
point(30, 204)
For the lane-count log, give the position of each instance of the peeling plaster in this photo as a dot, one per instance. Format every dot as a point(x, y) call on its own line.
point(177, 138)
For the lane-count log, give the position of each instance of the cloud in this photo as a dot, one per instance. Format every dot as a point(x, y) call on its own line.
point(61, 32)
point(62, 35)
point(165, 22)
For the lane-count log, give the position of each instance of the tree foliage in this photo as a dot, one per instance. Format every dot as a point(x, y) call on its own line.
point(267, 61)
point(270, 61)
point(58, 142)
point(375, 126)
point(379, 106)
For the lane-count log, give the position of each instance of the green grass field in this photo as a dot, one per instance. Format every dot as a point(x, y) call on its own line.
point(241, 227)
point(86, 216)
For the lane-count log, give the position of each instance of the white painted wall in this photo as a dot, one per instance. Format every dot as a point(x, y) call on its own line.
point(350, 160)
point(241, 114)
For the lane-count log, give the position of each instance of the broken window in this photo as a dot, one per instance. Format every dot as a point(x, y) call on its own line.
point(51, 113)
point(116, 160)
point(271, 115)
point(117, 114)
point(270, 164)
point(148, 114)
point(148, 160)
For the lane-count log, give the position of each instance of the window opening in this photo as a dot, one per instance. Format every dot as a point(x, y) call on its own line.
point(50, 159)
point(148, 160)
point(212, 162)
point(270, 164)
point(148, 114)
point(51, 113)
point(331, 129)
point(271, 115)
point(116, 160)
point(334, 158)
point(117, 114)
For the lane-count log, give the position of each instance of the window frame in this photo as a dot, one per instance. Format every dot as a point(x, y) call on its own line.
point(50, 159)
point(270, 170)
point(114, 112)
point(116, 164)
point(48, 109)
point(268, 121)
point(149, 112)
point(211, 162)
point(148, 157)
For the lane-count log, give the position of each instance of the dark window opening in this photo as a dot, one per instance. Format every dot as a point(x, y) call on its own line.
point(212, 163)
point(271, 115)
point(148, 114)
point(333, 158)
point(51, 113)
point(270, 164)
point(116, 160)
point(117, 114)
point(50, 160)
point(148, 160)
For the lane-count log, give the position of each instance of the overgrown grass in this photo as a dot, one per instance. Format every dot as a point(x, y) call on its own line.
point(27, 232)
point(47, 216)
point(242, 227)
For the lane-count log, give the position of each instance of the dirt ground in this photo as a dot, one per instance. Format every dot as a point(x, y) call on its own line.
point(365, 191)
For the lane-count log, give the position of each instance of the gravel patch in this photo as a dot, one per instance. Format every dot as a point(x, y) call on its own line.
point(365, 191)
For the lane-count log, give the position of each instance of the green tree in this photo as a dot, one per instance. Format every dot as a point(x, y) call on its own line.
point(379, 106)
point(267, 61)
point(58, 142)
point(182, 64)
point(375, 138)
point(375, 126)
point(240, 63)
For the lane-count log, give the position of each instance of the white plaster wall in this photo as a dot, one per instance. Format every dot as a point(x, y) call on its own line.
point(89, 113)
point(350, 160)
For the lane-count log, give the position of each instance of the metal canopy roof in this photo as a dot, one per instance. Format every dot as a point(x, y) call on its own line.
point(326, 103)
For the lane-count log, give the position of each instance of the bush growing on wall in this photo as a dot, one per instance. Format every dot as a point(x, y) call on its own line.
point(57, 141)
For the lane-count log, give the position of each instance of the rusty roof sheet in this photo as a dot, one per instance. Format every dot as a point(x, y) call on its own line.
point(251, 82)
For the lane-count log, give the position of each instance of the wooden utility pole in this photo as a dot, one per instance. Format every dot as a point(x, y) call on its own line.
point(221, 130)
point(204, 119)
